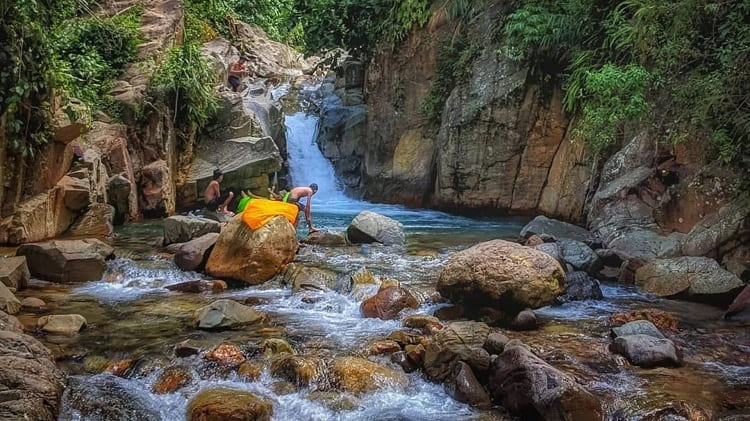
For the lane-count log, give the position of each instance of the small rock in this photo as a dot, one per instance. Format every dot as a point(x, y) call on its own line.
point(421, 321)
point(219, 286)
point(334, 401)
point(172, 379)
point(647, 351)
point(284, 388)
point(14, 272)
point(609, 274)
point(534, 240)
point(250, 371)
point(401, 359)
point(225, 354)
point(192, 287)
point(405, 338)
point(65, 323)
point(464, 387)
point(370, 227)
point(383, 347)
point(495, 343)
point(120, 367)
point(225, 314)
point(273, 346)
point(637, 327)
point(326, 238)
point(388, 303)
point(33, 303)
point(525, 320)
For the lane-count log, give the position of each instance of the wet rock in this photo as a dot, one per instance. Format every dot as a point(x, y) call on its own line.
point(388, 303)
point(710, 233)
point(647, 351)
point(525, 320)
point(31, 383)
point(172, 379)
point(580, 286)
point(194, 287)
point(334, 401)
point(275, 346)
point(558, 229)
point(645, 245)
point(326, 238)
point(181, 229)
point(455, 342)
point(144, 366)
point(370, 227)
point(187, 348)
point(225, 314)
point(464, 387)
point(661, 319)
point(283, 388)
point(741, 303)
point(250, 371)
point(106, 397)
point(33, 303)
point(421, 321)
point(67, 260)
point(61, 323)
point(119, 368)
point(363, 276)
point(495, 343)
point(383, 347)
point(580, 255)
point(401, 359)
point(302, 277)
point(637, 327)
point(405, 338)
point(301, 371)
point(479, 360)
point(358, 375)
point(253, 256)
point(529, 387)
point(226, 354)
point(415, 353)
point(219, 286)
point(8, 302)
point(695, 278)
point(10, 323)
point(14, 272)
point(221, 404)
point(501, 274)
point(193, 254)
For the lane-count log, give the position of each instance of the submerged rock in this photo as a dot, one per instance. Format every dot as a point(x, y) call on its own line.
point(455, 342)
point(253, 256)
point(464, 387)
point(67, 260)
point(358, 375)
point(193, 254)
point(61, 323)
point(529, 387)
point(647, 351)
point(388, 303)
point(228, 404)
point(106, 397)
point(195, 287)
point(14, 272)
point(501, 273)
point(225, 314)
point(371, 227)
point(696, 278)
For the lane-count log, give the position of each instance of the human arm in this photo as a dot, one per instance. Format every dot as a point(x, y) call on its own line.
point(308, 216)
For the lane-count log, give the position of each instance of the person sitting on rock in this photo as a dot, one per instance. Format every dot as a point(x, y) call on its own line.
point(294, 195)
point(215, 201)
point(237, 71)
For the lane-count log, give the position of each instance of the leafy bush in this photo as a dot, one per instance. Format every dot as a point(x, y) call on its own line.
point(186, 82)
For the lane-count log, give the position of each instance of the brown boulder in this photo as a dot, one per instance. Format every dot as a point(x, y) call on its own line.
point(455, 342)
point(358, 375)
point(171, 379)
point(388, 303)
point(223, 404)
point(501, 273)
point(14, 272)
point(95, 223)
point(157, 191)
point(225, 354)
point(61, 323)
point(67, 260)
point(250, 371)
point(253, 256)
point(194, 254)
point(301, 371)
point(529, 387)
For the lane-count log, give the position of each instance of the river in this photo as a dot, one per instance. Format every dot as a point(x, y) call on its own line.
point(132, 316)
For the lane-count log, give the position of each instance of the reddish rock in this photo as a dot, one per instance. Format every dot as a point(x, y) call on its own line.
point(119, 367)
point(225, 354)
point(388, 303)
point(742, 302)
point(171, 379)
point(383, 347)
point(661, 319)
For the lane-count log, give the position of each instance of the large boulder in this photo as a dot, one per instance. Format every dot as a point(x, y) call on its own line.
point(268, 57)
point(66, 324)
point(388, 303)
point(157, 196)
point(558, 229)
point(221, 404)
point(579, 255)
point(67, 260)
point(359, 375)
point(253, 256)
point(14, 272)
point(695, 278)
point(456, 342)
point(501, 273)
point(234, 120)
point(181, 229)
point(107, 397)
point(225, 314)
point(716, 229)
point(528, 387)
point(194, 254)
point(96, 222)
point(8, 302)
point(30, 381)
point(370, 227)
point(647, 351)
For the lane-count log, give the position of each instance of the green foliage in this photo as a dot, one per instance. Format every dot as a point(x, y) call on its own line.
point(186, 81)
point(696, 52)
point(612, 95)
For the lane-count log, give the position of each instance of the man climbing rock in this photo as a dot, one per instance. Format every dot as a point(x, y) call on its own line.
point(215, 201)
point(294, 195)
point(237, 71)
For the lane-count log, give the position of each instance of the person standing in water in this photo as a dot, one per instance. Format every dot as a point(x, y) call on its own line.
point(215, 201)
point(294, 195)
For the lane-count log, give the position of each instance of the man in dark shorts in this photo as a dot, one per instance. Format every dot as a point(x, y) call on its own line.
point(215, 201)
point(296, 194)
point(237, 71)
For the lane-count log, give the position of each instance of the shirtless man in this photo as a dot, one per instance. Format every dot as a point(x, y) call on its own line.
point(237, 71)
point(297, 193)
point(215, 201)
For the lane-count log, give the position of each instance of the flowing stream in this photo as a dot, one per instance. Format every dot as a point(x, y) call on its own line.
point(132, 316)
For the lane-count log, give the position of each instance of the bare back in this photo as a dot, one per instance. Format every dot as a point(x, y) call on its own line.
point(212, 191)
point(300, 192)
